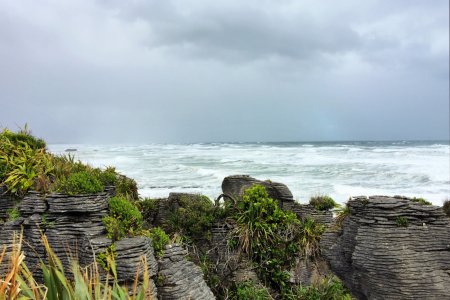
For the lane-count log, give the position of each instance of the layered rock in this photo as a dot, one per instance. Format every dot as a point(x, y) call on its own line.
point(7, 202)
point(180, 279)
point(234, 186)
point(309, 211)
point(391, 248)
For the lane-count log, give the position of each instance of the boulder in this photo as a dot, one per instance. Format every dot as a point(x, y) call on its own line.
point(391, 248)
point(235, 186)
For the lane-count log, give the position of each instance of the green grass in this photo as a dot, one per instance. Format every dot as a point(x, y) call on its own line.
point(402, 221)
point(13, 214)
point(421, 201)
point(248, 290)
point(323, 202)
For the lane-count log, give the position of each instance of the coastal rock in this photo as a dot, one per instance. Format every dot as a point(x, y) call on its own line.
point(391, 248)
point(7, 202)
point(235, 186)
point(307, 210)
point(180, 279)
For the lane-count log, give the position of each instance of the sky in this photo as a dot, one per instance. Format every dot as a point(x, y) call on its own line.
point(169, 71)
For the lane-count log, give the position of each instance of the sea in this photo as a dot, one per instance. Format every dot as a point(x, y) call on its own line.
point(338, 169)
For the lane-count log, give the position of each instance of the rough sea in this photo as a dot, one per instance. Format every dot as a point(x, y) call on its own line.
point(339, 169)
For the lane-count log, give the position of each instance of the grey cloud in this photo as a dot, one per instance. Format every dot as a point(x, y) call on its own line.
point(183, 71)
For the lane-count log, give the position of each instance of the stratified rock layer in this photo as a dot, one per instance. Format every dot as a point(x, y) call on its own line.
point(180, 279)
point(378, 257)
point(235, 186)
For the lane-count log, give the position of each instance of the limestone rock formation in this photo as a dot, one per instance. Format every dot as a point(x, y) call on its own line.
point(74, 229)
point(235, 186)
point(391, 248)
point(180, 279)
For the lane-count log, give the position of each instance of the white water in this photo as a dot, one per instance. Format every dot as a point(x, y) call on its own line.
point(420, 169)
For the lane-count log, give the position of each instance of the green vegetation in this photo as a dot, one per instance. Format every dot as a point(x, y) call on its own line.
point(13, 214)
point(81, 183)
point(446, 207)
point(124, 218)
point(148, 208)
point(421, 201)
point(82, 283)
point(103, 258)
point(25, 164)
point(327, 289)
point(193, 218)
point(342, 214)
point(248, 290)
point(402, 221)
point(310, 233)
point(323, 202)
point(267, 235)
point(159, 240)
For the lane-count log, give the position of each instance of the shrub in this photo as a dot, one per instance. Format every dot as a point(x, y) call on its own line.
point(402, 221)
point(310, 233)
point(421, 201)
point(323, 202)
point(81, 183)
point(126, 187)
point(446, 207)
point(193, 219)
point(22, 166)
point(267, 234)
point(107, 177)
point(159, 239)
point(124, 218)
point(249, 290)
point(24, 136)
point(148, 208)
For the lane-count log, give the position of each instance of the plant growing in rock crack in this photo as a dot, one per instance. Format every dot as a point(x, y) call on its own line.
point(103, 258)
point(342, 213)
point(310, 233)
point(159, 240)
point(323, 202)
point(421, 201)
point(13, 214)
point(401, 221)
point(446, 207)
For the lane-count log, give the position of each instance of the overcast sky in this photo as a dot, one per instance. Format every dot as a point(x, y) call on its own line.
point(197, 70)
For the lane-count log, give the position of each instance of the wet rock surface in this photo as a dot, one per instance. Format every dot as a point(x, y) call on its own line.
point(391, 248)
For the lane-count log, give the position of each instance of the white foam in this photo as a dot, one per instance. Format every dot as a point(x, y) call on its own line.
point(341, 170)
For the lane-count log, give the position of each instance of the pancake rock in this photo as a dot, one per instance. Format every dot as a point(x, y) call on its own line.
point(391, 248)
point(180, 279)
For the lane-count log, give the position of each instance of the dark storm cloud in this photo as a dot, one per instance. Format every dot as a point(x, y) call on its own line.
point(178, 71)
